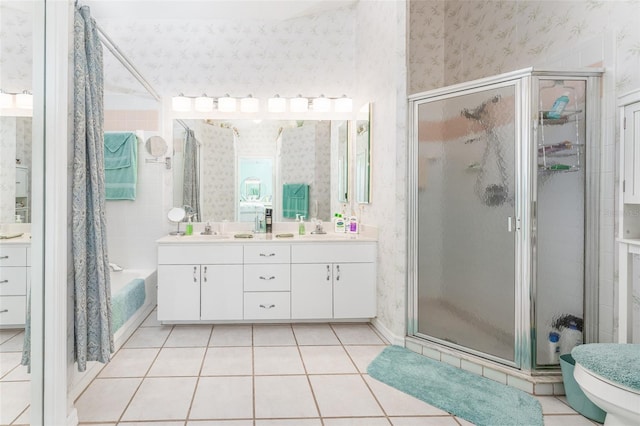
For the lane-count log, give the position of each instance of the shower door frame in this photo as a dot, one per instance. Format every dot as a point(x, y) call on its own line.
point(525, 168)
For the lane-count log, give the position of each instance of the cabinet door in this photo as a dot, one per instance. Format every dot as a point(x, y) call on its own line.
point(354, 290)
point(311, 291)
point(632, 154)
point(178, 292)
point(222, 294)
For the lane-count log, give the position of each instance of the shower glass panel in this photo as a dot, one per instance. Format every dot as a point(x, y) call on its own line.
point(466, 227)
point(560, 216)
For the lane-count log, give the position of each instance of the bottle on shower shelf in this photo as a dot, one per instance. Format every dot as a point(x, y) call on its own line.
point(559, 106)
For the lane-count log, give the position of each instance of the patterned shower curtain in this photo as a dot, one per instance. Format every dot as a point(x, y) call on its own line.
point(92, 287)
point(191, 182)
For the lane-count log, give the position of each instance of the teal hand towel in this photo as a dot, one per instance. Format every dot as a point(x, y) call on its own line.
point(295, 200)
point(121, 165)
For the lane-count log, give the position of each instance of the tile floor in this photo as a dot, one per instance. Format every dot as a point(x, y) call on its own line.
point(242, 375)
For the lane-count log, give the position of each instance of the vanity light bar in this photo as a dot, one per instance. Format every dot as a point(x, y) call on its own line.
point(249, 104)
point(16, 100)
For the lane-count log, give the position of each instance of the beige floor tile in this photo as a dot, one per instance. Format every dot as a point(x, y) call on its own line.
point(220, 423)
point(130, 363)
point(362, 356)
point(315, 334)
point(356, 334)
point(99, 424)
point(223, 397)
point(6, 334)
point(283, 397)
point(463, 422)
point(156, 423)
point(169, 397)
point(363, 421)
point(152, 320)
point(326, 360)
point(567, 420)
point(344, 396)
point(228, 361)
point(277, 360)
point(231, 335)
point(9, 361)
point(273, 335)
point(397, 403)
point(16, 397)
point(177, 362)
point(189, 336)
point(148, 337)
point(424, 421)
point(552, 405)
point(289, 422)
point(18, 374)
point(24, 419)
point(105, 399)
point(14, 344)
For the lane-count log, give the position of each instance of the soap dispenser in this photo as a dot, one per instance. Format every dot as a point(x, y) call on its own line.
point(301, 230)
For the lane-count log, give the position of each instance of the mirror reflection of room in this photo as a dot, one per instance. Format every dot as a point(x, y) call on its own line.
point(246, 167)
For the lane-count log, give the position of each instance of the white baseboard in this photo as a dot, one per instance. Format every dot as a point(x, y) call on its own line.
point(392, 338)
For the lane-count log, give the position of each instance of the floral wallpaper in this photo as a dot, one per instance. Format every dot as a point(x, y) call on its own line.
point(16, 46)
point(7, 169)
point(426, 45)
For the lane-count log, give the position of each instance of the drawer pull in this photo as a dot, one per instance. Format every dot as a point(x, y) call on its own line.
point(4, 281)
point(195, 268)
point(4, 257)
point(337, 272)
point(205, 274)
point(267, 306)
point(267, 278)
point(267, 254)
point(328, 273)
point(3, 311)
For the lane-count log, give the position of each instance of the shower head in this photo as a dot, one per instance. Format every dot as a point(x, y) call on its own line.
point(477, 113)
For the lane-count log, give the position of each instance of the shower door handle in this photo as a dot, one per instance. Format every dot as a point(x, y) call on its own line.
point(510, 224)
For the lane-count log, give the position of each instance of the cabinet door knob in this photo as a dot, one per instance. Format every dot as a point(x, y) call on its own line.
point(205, 274)
point(195, 268)
point(267, 254)
point(267, 306)
point(328, 273)
point(3, 311)
point(267, 278)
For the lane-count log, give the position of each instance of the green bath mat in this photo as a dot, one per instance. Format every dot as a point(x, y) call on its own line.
point(477, 399)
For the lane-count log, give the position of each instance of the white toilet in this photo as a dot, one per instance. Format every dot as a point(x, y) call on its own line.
point(609, 375)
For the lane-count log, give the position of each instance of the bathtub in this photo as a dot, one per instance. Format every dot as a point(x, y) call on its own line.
point(133, 297)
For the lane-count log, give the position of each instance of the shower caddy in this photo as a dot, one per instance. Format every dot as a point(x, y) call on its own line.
point(519, 175)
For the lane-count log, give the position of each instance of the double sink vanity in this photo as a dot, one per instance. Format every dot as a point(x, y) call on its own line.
point(218, 278)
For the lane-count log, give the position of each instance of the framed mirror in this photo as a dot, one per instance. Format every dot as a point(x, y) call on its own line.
point(342, 148)
point(235, 154)
point(362, 154)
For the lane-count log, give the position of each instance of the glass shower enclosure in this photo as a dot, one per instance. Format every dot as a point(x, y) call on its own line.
point(503, 216)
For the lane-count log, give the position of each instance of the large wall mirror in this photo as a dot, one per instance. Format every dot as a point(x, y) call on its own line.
point(15, 169)
point(246, 166)
point(363, 156)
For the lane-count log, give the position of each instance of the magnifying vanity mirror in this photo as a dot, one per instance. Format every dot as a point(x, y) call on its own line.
point(363, 156)
point(156, 146)
point(245, 164)
point(177, 215)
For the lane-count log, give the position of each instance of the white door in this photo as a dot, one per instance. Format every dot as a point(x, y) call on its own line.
point(222, 293)
point(632, 154)
point(178, 292)
point(354, 290)
point(311, 291)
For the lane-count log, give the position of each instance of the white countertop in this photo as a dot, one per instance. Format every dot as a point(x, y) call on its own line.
point(329, 237)
point(23, 239)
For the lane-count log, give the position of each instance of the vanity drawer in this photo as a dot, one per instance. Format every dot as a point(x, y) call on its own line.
point(267, 305)
point(214, 254)
point(13, 256)
point(265, 253)
point(334, 253)
point(276, 277)
point(13, 310)
point(13, 281)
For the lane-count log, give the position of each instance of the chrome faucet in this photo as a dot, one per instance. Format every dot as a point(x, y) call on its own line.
point(318, 229)
point(207, 229)
point(258, 223)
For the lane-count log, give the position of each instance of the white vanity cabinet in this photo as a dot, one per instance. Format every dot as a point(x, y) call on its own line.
point(14, 284)
point(333, 281)
point(267, 281)
point(199, 282)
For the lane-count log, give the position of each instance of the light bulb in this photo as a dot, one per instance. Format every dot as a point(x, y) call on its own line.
point(343, 104)
point(249, 104)
point(299, 104)
point(204, 103)
point(6, 100)
point(226, 104)
point(321, 104)
point(181, 103)
point(24, 100)
point(277, 104)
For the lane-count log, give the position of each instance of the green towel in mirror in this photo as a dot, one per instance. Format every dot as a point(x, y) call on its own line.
point(295, 200)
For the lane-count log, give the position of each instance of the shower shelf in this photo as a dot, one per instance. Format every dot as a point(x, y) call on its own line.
point(566, 117)
point(553, 168)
